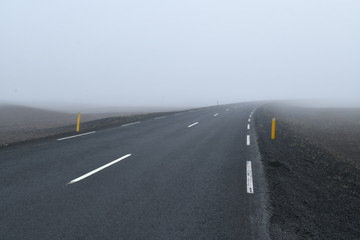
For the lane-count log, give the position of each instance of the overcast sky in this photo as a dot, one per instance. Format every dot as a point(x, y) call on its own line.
point(178, 53)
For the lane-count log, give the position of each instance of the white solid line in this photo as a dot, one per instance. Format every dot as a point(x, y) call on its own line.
point(130, 124)
point(248, 126)
point(249, 178)
point(98, 169)
point(248, 140)
point(192, 124)
point(160, 117)
point(216, 114)
point(79, 135)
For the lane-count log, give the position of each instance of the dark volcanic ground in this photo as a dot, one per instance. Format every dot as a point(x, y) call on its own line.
point(313, 171)
point(31, 129)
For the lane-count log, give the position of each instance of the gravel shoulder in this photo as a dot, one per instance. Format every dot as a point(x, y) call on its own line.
point(313, 171)
point(28, 133)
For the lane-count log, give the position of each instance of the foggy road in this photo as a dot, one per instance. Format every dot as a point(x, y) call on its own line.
point(190, 175)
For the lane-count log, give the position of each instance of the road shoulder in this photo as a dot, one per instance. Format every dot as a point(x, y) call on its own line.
point(314, 194)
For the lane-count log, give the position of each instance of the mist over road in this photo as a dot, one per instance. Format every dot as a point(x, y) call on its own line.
point(180, 176)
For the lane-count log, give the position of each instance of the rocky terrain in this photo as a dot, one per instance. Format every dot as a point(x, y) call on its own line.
point(313, 171)
point(20, 124)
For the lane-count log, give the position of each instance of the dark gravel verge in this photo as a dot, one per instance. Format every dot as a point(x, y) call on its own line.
point(31, 135)
point(314, 190)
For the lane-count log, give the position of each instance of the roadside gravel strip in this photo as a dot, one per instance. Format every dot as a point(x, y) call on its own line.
point(314, 191)
point(67, 132)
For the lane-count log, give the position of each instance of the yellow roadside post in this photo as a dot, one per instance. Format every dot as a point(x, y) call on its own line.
point(273, 126)
point(78, 123)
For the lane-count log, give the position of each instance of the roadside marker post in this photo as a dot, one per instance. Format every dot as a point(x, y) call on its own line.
point(273, 128)
point(78, 122)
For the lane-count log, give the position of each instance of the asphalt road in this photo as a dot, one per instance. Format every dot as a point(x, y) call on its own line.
point(180, 182)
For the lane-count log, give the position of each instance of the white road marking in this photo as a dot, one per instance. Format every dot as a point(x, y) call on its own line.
point(249, 178)
point(248, 140)
point(177, 114)
point(216, 114)
point(98, 169)
point(130, 124)
point(192, 125)
point(160, 117)
point(79, 135)
point(249, 120)
point(248, 126)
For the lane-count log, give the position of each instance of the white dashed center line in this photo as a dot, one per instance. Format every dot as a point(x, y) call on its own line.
point(191, 125)
point(249, 178)
point(248, 140)
point(98, 169)
point(79, 135)
point(160, 117)
point(129, 124)
point(248, 126)
point(216, 114)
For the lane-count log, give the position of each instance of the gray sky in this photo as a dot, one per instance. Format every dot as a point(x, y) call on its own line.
point(178, 53)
